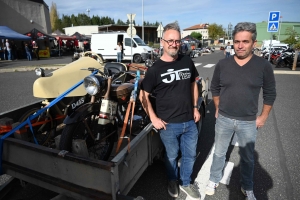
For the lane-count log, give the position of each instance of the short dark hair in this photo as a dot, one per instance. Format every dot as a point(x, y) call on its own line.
point(245, 26)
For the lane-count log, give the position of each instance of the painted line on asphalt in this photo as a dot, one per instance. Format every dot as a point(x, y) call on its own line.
point(197, 64)
point(203, 175)
point(286, 72)
point(209, 65)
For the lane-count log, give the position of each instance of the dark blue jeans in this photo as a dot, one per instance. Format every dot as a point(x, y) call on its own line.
point(227, 55)
point(246, 132)
point(180, 137)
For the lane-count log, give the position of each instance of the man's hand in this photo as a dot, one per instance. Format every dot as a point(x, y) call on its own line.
point(217, 113)
point(260, 121)
point(196, 115)
point(158, 123)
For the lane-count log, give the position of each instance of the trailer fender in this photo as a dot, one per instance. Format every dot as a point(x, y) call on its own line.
point(78, 114)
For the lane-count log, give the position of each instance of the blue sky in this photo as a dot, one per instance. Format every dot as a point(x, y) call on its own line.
point(186, 12)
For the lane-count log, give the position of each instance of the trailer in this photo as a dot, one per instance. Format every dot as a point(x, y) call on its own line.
point(77, 176)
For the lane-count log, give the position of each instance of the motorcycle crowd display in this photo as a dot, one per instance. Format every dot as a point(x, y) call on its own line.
point(95, 113)
point(281, 57)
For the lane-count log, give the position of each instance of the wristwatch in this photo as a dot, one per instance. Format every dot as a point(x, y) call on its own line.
point(195, 106)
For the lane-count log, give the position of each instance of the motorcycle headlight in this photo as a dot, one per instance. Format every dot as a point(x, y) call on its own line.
point(94, 84)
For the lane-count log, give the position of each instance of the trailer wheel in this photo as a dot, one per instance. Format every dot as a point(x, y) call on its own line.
point(93, 134)
point(43, 126)
point(137, 58)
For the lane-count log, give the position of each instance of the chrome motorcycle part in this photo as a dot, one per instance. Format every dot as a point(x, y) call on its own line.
point(94, 84)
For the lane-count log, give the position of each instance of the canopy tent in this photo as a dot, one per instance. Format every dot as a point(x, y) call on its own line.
point(36, 34)
point(7, 33)
point(80, 37)
point(61, 36)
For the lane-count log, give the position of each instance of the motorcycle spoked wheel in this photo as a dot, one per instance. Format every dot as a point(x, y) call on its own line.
point(43, 131)
point(97, 149)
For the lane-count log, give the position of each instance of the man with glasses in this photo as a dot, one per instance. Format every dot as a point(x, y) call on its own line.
point(172, 79)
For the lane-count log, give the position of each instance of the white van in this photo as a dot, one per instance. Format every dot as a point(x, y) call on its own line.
point(105, 44)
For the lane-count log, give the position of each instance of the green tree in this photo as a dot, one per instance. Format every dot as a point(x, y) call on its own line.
point(66, 21)
point(53, 17)
point(74, 20)
point(196, 35)
point(215, 30)
point(292, 35)
point(83, 19)
point(95, 20)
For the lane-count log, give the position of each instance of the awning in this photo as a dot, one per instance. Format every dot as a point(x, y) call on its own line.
point(7, 33)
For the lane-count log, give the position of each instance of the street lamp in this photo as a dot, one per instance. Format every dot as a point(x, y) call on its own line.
point(229, 30)
point(224, 35)
point(143, 20)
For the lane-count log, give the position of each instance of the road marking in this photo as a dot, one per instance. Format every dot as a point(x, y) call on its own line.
point(286, 72)
point(209, 65)
point(203, 175)
point(227, 173)
point(197, 64)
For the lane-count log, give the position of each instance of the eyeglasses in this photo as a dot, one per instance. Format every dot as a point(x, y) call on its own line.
point(171, 42)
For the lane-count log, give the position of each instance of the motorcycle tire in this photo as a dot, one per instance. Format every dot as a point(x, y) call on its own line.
point(137, 58)
point(44, 128)
point(97, 149)
point(280, 64)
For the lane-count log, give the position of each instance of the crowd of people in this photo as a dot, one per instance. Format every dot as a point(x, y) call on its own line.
point(9, 50)
point(173, 80)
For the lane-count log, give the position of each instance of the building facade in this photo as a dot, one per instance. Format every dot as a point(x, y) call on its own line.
point(24, 15)
point(263, 34)
point(199, 28)
point(150, 32)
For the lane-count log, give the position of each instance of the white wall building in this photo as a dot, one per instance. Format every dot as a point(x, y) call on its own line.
point(200, 28)
point(84, 30)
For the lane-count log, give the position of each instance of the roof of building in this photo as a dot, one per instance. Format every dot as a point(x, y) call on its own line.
point(197, 26)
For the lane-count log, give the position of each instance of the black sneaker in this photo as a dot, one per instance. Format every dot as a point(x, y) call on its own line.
point(191, 191)
point(173, 188)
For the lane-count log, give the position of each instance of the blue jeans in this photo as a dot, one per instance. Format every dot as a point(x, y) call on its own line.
point(9, 56)
point(183, 137)
point(119, 57)
point(28, 55)
point(246, 132)
point(227, 55)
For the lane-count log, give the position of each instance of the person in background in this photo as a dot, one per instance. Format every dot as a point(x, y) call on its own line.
point(36, 49)
point(13, 51)
point(172, 78)
point(119, 51)
point(28, 52)
point(8, 50)
point(235, 88)
point(227, 50)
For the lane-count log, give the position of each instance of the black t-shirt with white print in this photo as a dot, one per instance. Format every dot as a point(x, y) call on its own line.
point(171, 82)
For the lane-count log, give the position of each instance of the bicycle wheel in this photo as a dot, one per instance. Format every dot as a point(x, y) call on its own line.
point(43, 126)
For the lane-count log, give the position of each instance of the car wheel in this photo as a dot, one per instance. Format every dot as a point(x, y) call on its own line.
point(137, 58)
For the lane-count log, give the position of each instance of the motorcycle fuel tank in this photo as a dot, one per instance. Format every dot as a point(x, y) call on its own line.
point(60, 80)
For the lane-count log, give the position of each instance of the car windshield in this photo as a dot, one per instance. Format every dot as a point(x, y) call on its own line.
point(139, 41)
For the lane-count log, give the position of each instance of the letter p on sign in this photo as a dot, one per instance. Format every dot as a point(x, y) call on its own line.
point(274, 16)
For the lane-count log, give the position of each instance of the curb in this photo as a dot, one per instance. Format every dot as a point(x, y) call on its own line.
point(31, 68)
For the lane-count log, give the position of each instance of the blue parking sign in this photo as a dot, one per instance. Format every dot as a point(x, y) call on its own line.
point(274, 16)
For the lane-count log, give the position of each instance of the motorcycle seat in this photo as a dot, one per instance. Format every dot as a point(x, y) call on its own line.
point(115, 67)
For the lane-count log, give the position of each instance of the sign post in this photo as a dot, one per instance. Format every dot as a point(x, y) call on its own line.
point(273, 25)
point(131, 31)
